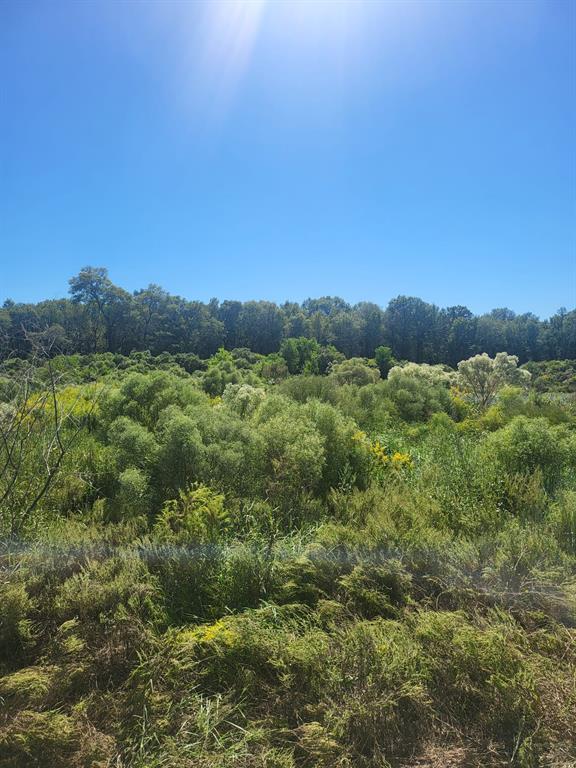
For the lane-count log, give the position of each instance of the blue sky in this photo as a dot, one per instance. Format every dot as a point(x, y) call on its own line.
point(292, 148)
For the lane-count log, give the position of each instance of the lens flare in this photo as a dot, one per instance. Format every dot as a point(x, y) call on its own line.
point(228, 33)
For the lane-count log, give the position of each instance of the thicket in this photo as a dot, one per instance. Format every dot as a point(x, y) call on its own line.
point(286, 561)
point(99, 316)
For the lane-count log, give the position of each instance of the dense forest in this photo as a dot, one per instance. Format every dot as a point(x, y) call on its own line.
point(307, 536)
point(101, 317)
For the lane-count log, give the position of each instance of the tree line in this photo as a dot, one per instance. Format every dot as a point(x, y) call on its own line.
point(100, 316)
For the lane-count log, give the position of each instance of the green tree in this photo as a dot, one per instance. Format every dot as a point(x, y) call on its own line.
point(480, 377)
point(259, 326)
point(299, 353)
point(106, 305)
point(384, 360)
point(410, 324)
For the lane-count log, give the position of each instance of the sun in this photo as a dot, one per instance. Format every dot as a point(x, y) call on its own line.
point(232, 30)
point(218, 44)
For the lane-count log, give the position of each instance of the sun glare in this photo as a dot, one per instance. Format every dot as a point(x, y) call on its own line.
point(231, 29)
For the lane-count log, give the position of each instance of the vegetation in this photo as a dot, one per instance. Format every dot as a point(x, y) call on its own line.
point(102, 317)
point(282, 557)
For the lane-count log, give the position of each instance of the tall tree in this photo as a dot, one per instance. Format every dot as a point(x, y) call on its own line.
point(409, 324)
point(106, 305)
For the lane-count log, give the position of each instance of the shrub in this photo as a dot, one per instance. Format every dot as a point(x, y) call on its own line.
point(376, 692)
point(355, 370)
point(101, 590)
point(133, 444)
point(294, 455)
point(375, 590)
point(526, 445)
point(418, 391)
point(197, 515)
point(133, 498)
point(243, 399)
point(478, 675)
point(16, 628)
point(563, 521)
point(52, 740)
point(481, 377)
point(181, 451)
point(26, 688)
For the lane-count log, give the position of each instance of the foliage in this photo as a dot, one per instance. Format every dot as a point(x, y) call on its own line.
point(102, 317)
point(197, 515)
point(384, 360)
point(289, 559)
point(553, 375)
point(526, 445)
point(481, 376)
point(418, 391)
point(355, 371)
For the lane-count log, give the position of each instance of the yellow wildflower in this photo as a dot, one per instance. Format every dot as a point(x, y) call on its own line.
point(400, 460)
point(218, 632)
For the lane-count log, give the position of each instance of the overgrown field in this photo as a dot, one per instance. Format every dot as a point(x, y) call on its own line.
point(213, 564)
